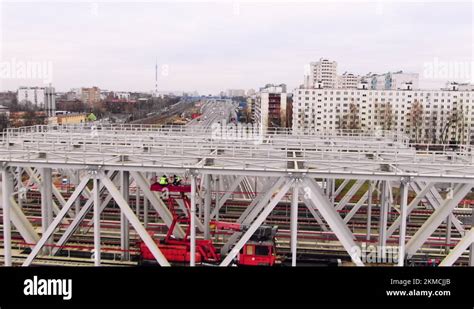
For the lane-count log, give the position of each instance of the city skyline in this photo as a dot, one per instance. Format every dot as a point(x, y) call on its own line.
point(210, 48)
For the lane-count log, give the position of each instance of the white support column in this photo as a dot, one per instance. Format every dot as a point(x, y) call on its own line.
point(207, 206)
point(7, 188)
point(333, 189)
point(383, 215)
point(124, 226)
point(137, 201)
point(149, 242)
point(145, 211)
point(145, 206)
point(192, 219)
point(471, 249)
point(19, 185)
point(403, 218)
point(46, 203)
point(294, 224)
point(369, 211)
point(448, 233)
point(97, 249)
point(77, 203)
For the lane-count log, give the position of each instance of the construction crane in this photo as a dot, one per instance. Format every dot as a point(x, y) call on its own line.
point(260, 250)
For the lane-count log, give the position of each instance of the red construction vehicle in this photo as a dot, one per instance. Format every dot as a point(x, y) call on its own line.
point(174, 249)
point(258, 251)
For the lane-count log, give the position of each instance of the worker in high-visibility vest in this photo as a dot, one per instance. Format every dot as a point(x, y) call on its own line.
point(176, 180)
point(163, 180)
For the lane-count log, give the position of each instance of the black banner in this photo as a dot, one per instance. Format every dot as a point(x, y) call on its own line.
point(254, 285)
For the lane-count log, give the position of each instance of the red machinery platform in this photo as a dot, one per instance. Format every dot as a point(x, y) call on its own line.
point(171, 188)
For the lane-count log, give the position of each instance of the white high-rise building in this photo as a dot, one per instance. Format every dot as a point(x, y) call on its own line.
point(426, 116)
point(40, 97)
point(323, 71)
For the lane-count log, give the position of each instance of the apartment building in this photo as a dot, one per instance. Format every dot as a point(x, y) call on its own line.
point(43, 98)
point(270, 108)
point(90, 96)
point(323, 71)
point(426, 116)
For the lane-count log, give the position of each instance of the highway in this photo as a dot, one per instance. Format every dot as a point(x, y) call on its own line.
point(215, 111)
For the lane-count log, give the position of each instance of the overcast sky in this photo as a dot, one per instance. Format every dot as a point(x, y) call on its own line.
point(211, 46)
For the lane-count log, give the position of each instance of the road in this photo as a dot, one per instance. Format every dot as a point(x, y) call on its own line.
point(215, 111)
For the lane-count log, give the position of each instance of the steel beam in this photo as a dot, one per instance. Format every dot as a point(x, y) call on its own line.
point(258, 221)
point(383, 214)
point(97, 249)
point(7, 191)
point(253, 210)
point(124, 225)
point(420, 195)
point(438, 216)
point(75, 224)
point(207, 206)
point(226, 195)
point(192, 223)
point(356, 207)
point(314, 211)
point(46, 203)
point(369, 210)
point(333, 219)
point(149, 242)
point(52, 227)
point(294, 224)
point(403, 220)
point(460, 248)
point(36, 179)
point(347, 197)
point(435, 200)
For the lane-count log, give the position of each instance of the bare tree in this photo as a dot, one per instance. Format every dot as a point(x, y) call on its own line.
point(385, 114)
point(353, 117)
point(455, 122)
point(416, 119)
